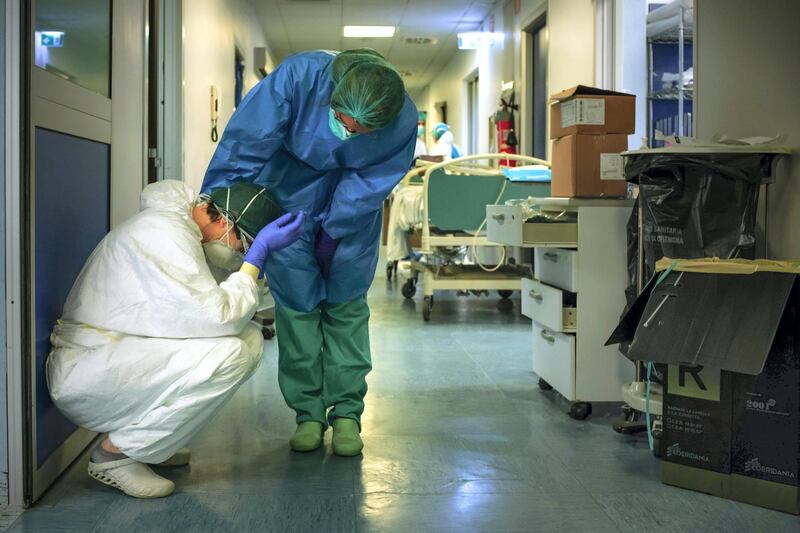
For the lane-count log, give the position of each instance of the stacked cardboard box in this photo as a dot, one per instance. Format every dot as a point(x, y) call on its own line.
point(590, 128)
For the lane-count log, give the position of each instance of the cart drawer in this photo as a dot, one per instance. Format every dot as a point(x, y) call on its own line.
point(504, 224)
point(550, 234)
point(558, 267)
point(547, 305)
point(554, 359)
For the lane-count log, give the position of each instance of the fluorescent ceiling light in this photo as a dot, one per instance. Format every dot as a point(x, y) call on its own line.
point(472, 40)
point(369, 31)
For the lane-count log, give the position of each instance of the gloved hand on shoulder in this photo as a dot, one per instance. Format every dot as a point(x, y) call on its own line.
point(276, 235)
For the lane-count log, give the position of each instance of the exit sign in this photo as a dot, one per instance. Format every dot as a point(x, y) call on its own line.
point(52, 39)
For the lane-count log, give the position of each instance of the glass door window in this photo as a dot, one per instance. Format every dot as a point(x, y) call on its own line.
point(72, 39)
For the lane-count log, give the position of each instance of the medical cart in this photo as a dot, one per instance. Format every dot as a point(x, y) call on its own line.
point(576, 295)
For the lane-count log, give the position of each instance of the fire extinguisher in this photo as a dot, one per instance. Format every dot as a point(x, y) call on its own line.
point(506, 135)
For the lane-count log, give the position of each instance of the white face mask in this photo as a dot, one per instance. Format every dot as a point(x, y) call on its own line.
point(221, 254)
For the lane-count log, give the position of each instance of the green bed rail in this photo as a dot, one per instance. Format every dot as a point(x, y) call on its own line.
point(457, 202)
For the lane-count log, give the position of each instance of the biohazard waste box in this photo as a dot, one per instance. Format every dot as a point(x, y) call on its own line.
point(728, 335)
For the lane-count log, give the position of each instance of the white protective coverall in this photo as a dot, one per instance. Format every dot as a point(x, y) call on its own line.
point(420, 149)
point(445, 146)
point(150, 346)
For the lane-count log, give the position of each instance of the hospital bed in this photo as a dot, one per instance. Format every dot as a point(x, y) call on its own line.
point(405, 217)
point(454, 198)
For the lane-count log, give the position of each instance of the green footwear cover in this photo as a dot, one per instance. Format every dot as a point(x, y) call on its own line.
point(346, 439)
point(307, 437)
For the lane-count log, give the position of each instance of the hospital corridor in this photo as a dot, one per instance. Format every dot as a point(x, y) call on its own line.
point(457, 435)
point(399, 266)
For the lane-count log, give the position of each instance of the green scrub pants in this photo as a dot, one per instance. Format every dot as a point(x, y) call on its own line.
point(324, 359)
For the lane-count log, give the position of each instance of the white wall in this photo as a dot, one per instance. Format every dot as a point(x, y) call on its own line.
point(747, 84)
point(572, 40)
point(570, 62)
point(212, 30)
point(3, 345)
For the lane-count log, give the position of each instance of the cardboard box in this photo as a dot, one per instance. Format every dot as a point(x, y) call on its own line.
point(768, 404)
point(732, 389)
point(576, 171)
point(583, 109)
point(697, 417)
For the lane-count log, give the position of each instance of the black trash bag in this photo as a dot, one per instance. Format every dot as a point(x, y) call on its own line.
point(697, 205)
point(631, 292)
point(632, 231)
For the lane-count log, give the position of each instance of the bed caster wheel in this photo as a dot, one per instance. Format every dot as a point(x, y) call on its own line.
point(631, 423)
point(409, 289)
point(580, 410)
point(505, 295)
point(427, 306)
point(268, 332)
point(543, 385)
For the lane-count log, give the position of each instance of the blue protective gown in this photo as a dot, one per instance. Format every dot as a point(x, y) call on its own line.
point(279, 138)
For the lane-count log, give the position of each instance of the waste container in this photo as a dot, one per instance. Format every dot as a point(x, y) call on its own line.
point(696, 204)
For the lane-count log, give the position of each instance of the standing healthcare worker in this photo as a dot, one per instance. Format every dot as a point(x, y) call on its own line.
point(445, 142)
point(330, 134)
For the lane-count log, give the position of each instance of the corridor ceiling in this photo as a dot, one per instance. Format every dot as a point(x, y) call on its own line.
point(296, 25)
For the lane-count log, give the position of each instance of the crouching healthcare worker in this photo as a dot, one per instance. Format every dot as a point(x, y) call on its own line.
point(150, 345)
point(330, 134)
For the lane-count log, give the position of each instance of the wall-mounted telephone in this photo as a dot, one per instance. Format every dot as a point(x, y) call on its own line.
point(214, 112)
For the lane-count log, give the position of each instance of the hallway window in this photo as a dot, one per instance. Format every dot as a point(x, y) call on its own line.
point(73, 41)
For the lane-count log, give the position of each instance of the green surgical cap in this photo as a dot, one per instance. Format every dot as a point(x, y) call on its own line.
point(349, 58)
point(249, 206)
point(368, 88)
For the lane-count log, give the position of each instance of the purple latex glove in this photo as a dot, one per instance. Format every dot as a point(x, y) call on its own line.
point(275, 236)
point(324, 251)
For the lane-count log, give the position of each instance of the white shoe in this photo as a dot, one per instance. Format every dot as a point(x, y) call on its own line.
point(181, 458)
point(131, 477)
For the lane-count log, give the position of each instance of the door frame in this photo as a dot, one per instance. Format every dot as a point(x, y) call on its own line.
point(169, 89)
point(15, 127)
point(526, 77)
point(472, 91)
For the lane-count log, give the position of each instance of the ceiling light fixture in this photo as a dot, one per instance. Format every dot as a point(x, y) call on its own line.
point(472, 40)
point(369, 31)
